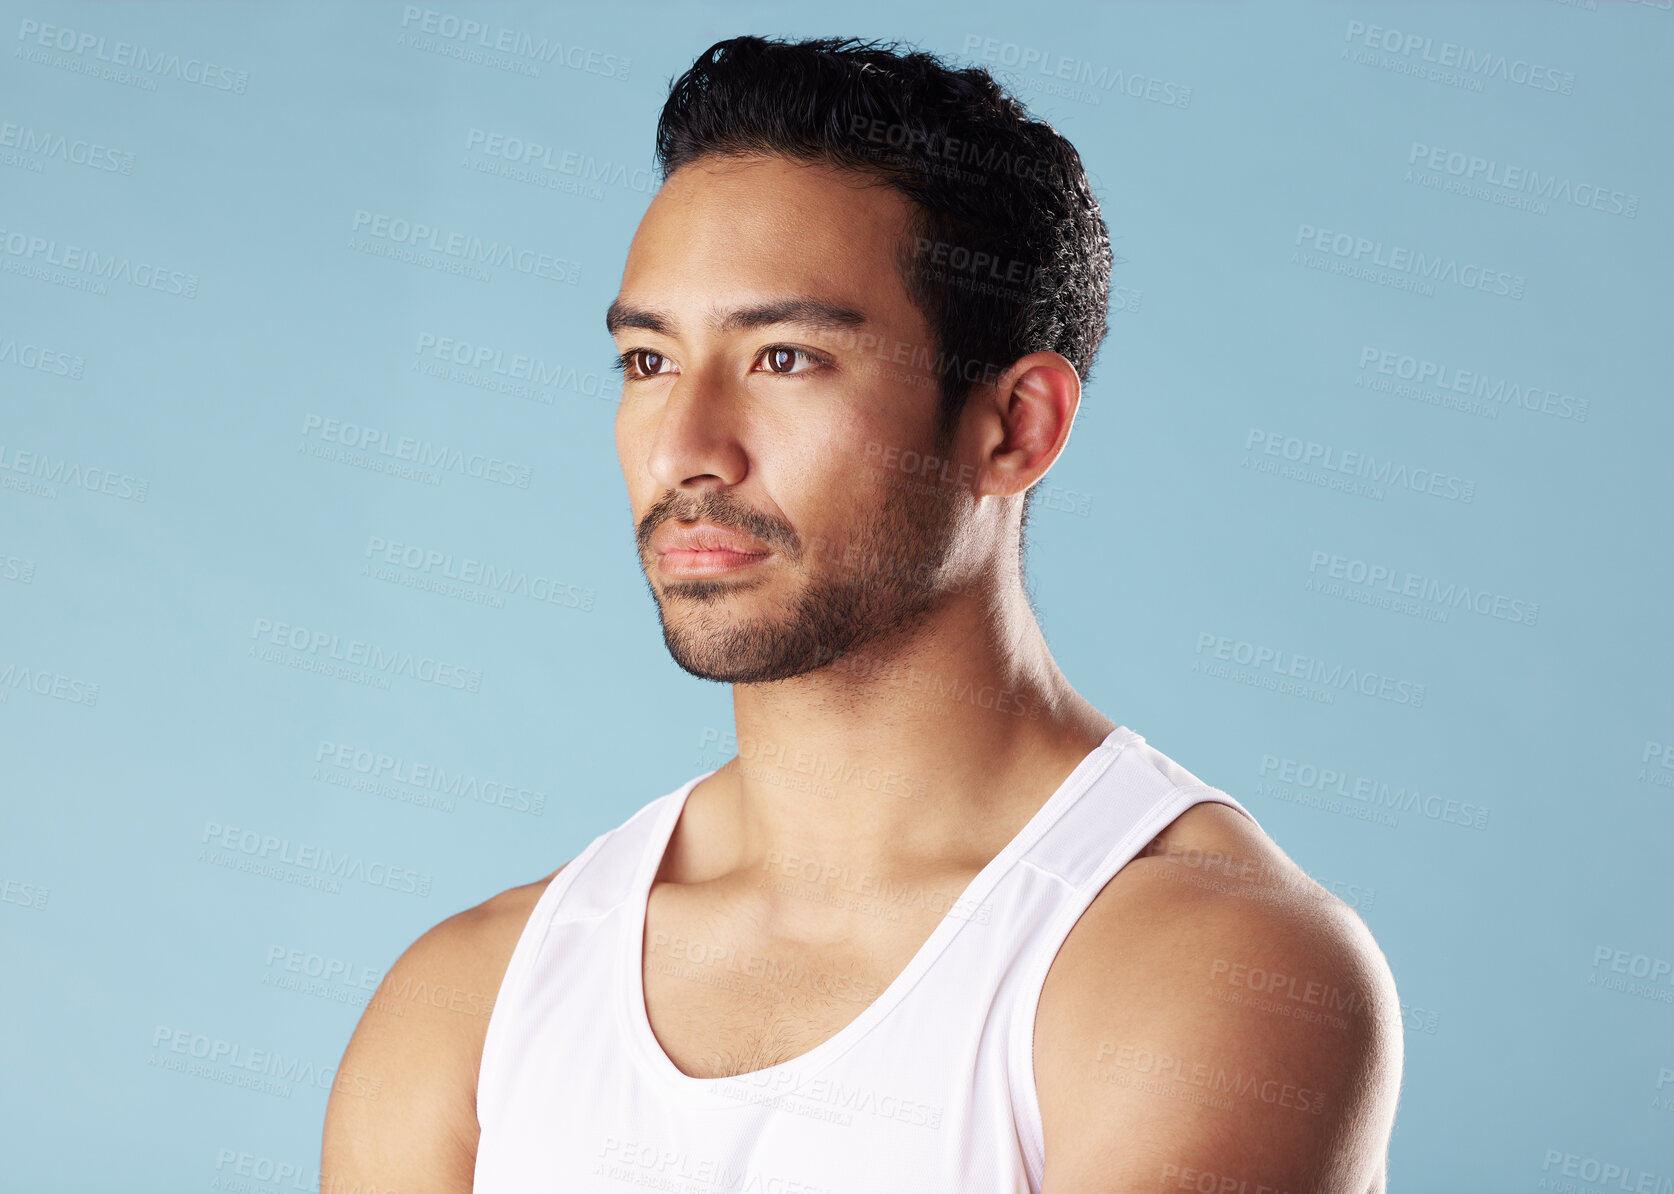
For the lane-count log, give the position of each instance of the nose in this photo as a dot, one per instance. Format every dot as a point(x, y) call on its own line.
point(694, 438)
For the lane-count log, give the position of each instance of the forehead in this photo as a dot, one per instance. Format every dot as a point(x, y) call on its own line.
point(720, 231)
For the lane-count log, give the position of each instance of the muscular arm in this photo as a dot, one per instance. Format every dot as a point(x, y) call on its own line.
point(1232, 1036)
point(408, 1123)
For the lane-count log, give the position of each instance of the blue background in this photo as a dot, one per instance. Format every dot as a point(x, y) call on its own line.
point(163, 510)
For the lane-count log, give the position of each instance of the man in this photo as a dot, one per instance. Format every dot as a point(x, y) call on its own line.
point(941, 926)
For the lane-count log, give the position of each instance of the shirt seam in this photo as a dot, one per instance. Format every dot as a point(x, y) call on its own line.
point(526, 955)
point(1034, 1144)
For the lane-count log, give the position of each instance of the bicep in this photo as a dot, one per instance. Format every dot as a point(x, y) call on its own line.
point(402, 1111)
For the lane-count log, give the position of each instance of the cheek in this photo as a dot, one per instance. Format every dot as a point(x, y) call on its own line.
point(813, 481)
point(630, 434)
point(831, 493)
point(878, 453)
point(856, 443)
point(638, 485)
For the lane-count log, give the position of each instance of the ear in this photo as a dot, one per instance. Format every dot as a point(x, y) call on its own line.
point(1024, 421)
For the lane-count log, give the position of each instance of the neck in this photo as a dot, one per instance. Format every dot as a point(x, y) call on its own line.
point(923, 754)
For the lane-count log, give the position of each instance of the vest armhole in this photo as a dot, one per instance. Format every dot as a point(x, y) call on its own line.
point(505, 1015)
point(1025, 1094)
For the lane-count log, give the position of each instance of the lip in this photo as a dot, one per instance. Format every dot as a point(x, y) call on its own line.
point(708, 563)
point(704, 536)
point(705, 549)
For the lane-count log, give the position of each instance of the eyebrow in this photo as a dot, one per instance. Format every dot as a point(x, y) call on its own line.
point(803, 310)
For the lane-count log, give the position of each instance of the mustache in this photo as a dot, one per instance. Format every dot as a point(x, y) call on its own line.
point(724, 511)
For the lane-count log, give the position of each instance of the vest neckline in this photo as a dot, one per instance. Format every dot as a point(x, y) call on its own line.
point(786, 1076)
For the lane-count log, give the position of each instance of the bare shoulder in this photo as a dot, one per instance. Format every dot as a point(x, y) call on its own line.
point(402, 1113)
point(1217, 1012)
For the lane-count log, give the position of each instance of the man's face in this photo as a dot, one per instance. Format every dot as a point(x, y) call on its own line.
point(787, 429)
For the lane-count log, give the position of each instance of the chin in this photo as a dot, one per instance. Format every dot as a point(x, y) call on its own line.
point(739, 650)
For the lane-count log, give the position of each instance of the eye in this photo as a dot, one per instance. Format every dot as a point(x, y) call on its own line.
point(637, 364)
point(781, 359)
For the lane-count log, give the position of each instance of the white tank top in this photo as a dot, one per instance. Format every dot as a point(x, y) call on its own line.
point(931, 1089)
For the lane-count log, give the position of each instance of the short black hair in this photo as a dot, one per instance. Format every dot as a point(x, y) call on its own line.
point(1009, 253)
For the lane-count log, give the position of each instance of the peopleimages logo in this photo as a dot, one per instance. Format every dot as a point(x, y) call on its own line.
point(52, 361)
point(582, 168)
point(265, 851)
point(1378, 583)
point(41, 145)
point(468, 249)
point(1658, 757)
point(155, 63)
point(32, 253)
point(380, 661)
point(1209, 1076)
point(266, 1171)
point(1473, 168)
point(430, 777)
point(1472, 62)
point(17, 568)
point(1287, 666)
point(420, 454)
point(313, 965)
point(15, 891)
point(519, 375)
point(1373, 793)
point(46, 472)
point(46, 683)
point(523, 48)
point(1403, 260)
point(282, 1069)
point(429, 564)
point(1031, 60)
point(1602, 1174)
point(1503, 391)
point(1351, 467)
